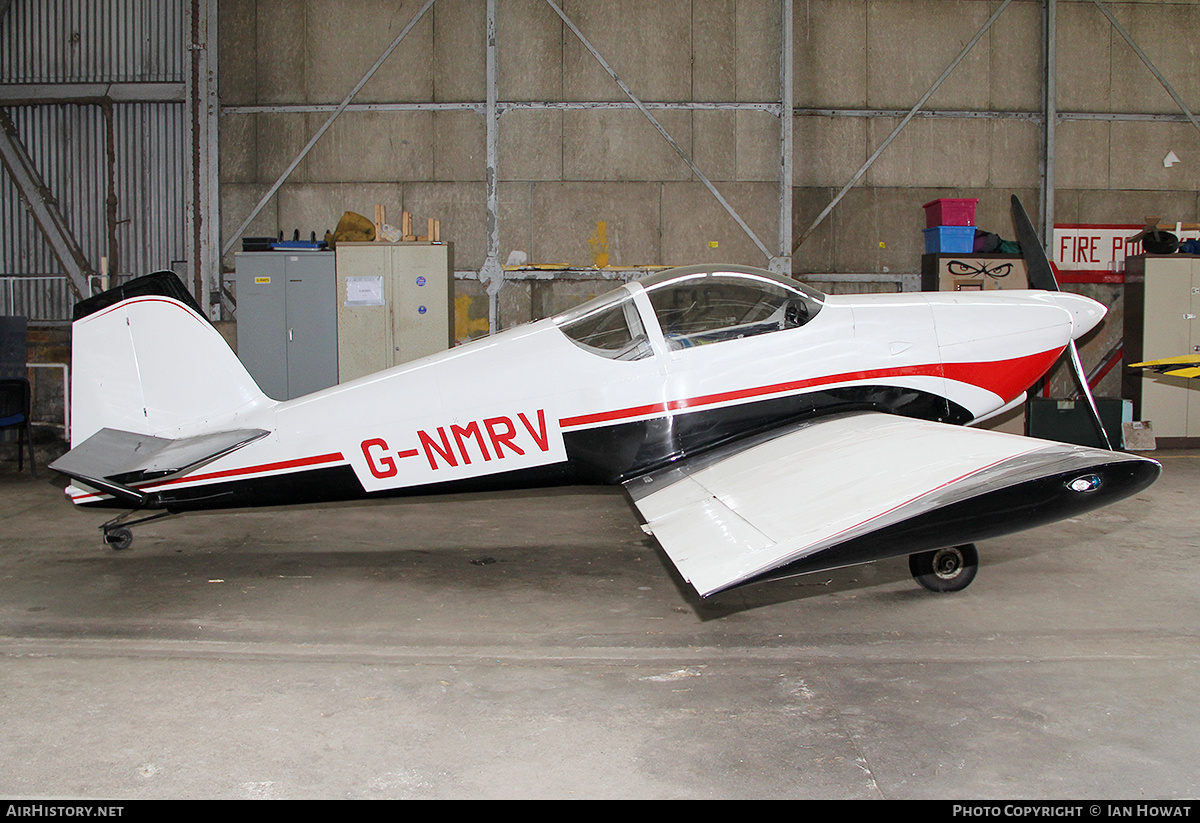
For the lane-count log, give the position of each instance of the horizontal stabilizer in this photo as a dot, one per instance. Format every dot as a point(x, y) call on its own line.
point(110, 459)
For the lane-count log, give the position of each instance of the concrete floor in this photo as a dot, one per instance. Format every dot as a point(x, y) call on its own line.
point(539, 646)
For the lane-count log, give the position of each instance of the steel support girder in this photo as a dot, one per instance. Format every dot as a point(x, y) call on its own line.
point(202, 179)
point(1049, 117)
point(43, 205)
point(1146, 61)
point(233, 238)
point(492, 273)
point(782, 262)
point(503, 108)
point(904, 122)
point(32, 94)
point(708, 184)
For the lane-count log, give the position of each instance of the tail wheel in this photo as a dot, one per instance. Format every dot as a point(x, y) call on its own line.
point(945, 570)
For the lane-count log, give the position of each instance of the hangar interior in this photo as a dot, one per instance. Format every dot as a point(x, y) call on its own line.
point(538, 645)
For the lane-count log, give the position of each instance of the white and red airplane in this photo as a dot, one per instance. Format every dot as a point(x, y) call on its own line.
point(761, 428)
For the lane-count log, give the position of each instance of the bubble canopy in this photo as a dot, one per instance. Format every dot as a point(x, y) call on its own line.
point(693, 306)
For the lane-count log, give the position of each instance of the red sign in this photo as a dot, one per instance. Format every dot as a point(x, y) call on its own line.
point(1096, 252)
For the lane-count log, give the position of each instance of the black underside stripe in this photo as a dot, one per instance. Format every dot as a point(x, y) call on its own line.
point(604, 455)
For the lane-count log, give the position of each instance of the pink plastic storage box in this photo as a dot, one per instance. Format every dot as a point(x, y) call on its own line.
point(948, 211)
point(950, 240)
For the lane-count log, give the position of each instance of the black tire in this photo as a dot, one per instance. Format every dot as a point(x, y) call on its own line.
point(945, 570)
point(119, 538)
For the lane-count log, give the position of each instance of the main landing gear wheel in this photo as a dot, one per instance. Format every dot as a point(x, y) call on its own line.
point(118, 538)
point(945, 570)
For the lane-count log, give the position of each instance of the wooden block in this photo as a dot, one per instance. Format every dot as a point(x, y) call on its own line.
point(1139, 436)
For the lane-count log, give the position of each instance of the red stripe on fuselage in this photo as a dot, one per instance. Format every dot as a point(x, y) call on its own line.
point(333, 457)
point(282, 465)
point(1005, 378)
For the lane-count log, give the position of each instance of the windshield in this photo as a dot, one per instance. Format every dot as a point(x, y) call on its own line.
point(698, 306)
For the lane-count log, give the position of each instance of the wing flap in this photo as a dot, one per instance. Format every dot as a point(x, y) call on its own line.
point(702, 530)
point(737, 514)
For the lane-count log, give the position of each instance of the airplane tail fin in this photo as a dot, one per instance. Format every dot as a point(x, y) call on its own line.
point(145, 360)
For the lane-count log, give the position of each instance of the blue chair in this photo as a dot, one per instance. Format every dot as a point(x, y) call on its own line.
point(15, 409)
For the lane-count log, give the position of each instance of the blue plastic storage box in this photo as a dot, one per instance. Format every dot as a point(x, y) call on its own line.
point(950, 240)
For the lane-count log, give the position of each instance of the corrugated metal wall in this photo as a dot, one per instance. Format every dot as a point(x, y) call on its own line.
point(98, 41)
point(75, 41)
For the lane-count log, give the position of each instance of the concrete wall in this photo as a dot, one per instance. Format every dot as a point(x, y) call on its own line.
point(564, 172)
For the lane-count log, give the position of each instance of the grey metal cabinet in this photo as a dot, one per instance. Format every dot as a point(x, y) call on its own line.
point(287, 320)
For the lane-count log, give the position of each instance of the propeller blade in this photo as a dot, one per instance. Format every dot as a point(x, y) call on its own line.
point(1041, 276)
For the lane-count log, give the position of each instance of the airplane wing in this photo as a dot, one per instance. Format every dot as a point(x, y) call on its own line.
point(1187, 365)
point(861, 487)
point(110, 460)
